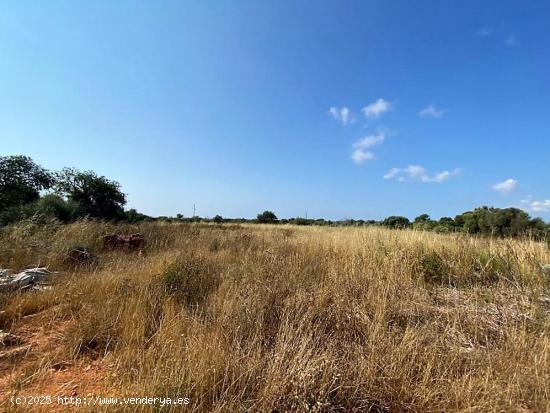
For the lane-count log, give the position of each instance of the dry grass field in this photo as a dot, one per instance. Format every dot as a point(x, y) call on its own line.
point(280, 319)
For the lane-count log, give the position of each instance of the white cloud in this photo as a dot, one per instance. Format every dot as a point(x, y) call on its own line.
point(485, 31)
point(432, 111)
point(540, 206)
point(392, 173)
point(377, 108)
point(442, 176)
point(343, 115)
point(415, 171)
point(359, 156)
point(419, 173)
point(370, 140)
point(512, 40)
point(506, 186)
point(527, 200)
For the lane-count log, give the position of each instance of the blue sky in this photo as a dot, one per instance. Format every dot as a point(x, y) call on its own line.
point(340, 109)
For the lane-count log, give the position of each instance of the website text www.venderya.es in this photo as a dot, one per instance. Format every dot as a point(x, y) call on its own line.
point(95, 400)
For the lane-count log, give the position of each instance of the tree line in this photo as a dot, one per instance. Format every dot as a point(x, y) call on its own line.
point(502, 222)
point(27, 189)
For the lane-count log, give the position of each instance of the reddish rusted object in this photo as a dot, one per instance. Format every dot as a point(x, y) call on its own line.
point(132, 242)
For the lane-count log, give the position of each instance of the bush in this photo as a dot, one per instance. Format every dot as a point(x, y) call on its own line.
point(489, 267)
point(302, 221)
point(434, 269)
point(191, 279)
point(56, 206)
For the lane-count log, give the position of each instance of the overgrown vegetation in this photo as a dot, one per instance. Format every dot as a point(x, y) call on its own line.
point(288, 318)
point(76, 194)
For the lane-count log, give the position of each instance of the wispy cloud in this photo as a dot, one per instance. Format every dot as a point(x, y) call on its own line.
point(343, 115)
point(527, 200)
point(485, 31)
point(370, 140)
point(419, 173)
point(506, 186)
point(415, 171)
point(377, 108)
point(360, 153)
point(392, 173)
point(540, 206)
point(512, 40)
point(536, 206)
point(432, 111)
point(359, 156)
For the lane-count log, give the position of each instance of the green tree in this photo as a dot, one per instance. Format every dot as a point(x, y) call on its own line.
point(96, 196)
point(422, 219)
point(133, 216)
point(218, 219)
point(21, 181)
point(423, 222)
point(267, 217)
point(396, 222)
point(56, 206)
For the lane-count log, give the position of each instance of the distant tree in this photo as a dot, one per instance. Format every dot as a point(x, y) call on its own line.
point(179, 216)
point(218, 219)
point(133, 216)
point(538, 228)
point(267, 217)
point(301, 221)
point(422, 219)
point(21, 181)
point(467, 222)
point(396, 222)
point(498, 222)
point(446, 222)
point(424, 223)
point(97, 196)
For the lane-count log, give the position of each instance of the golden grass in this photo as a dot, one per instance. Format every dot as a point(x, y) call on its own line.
point(279, 318)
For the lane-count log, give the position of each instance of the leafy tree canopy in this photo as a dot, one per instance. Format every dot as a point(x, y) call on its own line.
point(97, 196)
point(267, 217)
point(21, 181)
point(396, 222)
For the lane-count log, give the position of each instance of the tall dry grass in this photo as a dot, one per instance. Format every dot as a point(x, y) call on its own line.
point(277, 319)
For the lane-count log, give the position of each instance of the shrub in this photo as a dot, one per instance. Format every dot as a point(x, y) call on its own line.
point(54, 205)
point(434, 269)
point(191, 279)
point(489, 268)
point(302, 221)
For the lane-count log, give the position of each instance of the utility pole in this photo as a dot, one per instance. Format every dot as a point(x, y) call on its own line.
point(194, 211)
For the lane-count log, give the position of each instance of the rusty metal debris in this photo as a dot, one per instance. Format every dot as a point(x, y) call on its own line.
point(132, 242)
